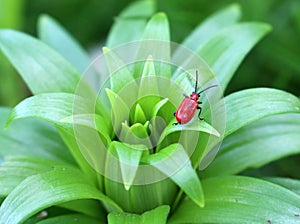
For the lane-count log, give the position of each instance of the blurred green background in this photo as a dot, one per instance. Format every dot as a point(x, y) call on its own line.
point(275, 61)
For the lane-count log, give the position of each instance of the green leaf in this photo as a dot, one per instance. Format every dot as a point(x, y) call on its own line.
point(15, 169)
point(148, 84)
point(157, 123)
point(120, 110)
point(157, 28)
point(54, 187)
point(257, 144)
point(136, 134)
point(174, 162)
point(11, 16)
point(291, 184)
point(41, 67)
point(88, 207)
point(195, 125)
point(212, 25)
point(55, 36)
point(158, 106)
point(237, 199)
point(31, 137)
point(52, 107)
point(158, 215)
point(94, 121)
point(78, 141)
point(120, 76)
point(144, 194)
point(11, 13)
point(139, 130)
point(247, 106)
point(133, 20)
point(156, 42)
point(70, 219)
point(148, 93)
point(226, 50)
point(139, 115)
point(129, 157)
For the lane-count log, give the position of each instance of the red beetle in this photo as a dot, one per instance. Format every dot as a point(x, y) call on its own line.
point(189, 105)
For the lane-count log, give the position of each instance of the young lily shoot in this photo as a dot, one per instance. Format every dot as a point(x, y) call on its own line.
point(99, 142)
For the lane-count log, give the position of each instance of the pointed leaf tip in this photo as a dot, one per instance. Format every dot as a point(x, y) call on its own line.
point(129, 158)
point(139, 115)
point(158, 28)
point(161, 15)
point(157, 215)
point(105, 50)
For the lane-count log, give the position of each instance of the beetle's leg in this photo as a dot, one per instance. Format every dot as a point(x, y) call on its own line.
point(200, 110)
point(186, 96)
point(175, 122)
point(199, 102)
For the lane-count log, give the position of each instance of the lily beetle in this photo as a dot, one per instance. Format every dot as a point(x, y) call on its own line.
point(189, 105)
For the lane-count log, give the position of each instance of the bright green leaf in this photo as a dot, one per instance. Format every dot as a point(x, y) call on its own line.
point(54, 187)
point(237, 199)
point(291, 184)
point(139, 115)
point(88, 207)
point(142, 196)
point(11, 13)
point(156, 42)
point(133, 20)
point(78, 143)
point(15, 169)
point(41, 67)
point(158, 216)
point(129, 157)
point(247, 106)
point(70, 219)
point(52, 107)
point(120, 110)
point(135, 134)
point(158, 106)
point(55, 36)
point(149, 189)
point(141, 134)
point(195, 125)
point(120, 76)
point(175, 164)
point(157, 124)
point(148, 83)
point(94, 121)
point(226, 50)
point(157, 28)
point(257, 144)
point(31, 137)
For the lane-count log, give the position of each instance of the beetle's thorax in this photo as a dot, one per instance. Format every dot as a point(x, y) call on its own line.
point(194, 96)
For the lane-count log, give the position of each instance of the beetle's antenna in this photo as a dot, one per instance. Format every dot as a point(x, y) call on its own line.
point(196, 85)
point(206, 89)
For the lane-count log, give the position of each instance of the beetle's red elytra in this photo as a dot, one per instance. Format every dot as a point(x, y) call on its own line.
point(189, 105)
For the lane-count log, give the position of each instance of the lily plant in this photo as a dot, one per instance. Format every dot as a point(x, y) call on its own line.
point(96, 143)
